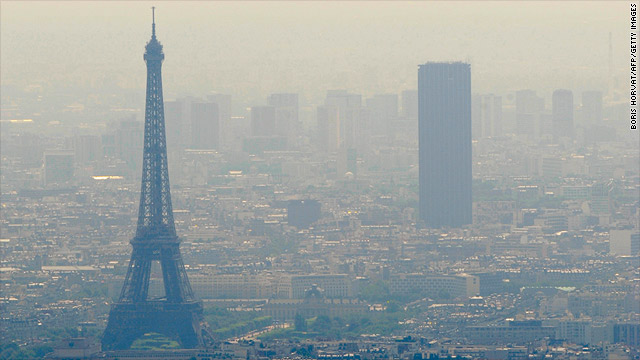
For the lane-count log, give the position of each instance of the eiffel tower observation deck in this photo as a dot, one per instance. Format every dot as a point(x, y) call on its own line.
point(178, 314)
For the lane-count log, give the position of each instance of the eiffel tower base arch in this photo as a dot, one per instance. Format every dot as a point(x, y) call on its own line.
point(181, 322)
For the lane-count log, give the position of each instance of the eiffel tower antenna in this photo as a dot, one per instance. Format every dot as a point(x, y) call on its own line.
point(153, 24)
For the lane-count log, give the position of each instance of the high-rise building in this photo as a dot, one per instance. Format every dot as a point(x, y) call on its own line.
point(410, 104)
point(592, 108)
point(529, 109)
point(173, 115)
point(263, 121)
point(325, 128)
point(223, 101)
point(444, 93)
point(383, 114)
point(486, 116)
point(87, 148)
point(108, 142)
point(346, 162)
point(562, 113)
point(205, 126)
point(624, 242)
point(600, 203)
point(128, 144)
point(264, 136)
point(178, 121)
point(58, 167)
point(286, 115)
point(339, 121)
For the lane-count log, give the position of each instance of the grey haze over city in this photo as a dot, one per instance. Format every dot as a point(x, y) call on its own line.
point(257, 48)
point(415, 180)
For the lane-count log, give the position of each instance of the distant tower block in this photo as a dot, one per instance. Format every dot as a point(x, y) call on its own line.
point(562, 113)
point(529, 108)
point(177, 315)
point(263, 121)
point(410, 104)
point(592, 108)
point(286, 115)
point(58, 167)
point(205, 126)
point(444, 132)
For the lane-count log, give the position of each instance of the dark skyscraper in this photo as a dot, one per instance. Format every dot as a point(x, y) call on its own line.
point(444, 113)
point(562, 113)
point(177, 315)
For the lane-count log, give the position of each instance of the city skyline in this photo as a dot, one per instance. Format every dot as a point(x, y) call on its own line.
point(349, 180)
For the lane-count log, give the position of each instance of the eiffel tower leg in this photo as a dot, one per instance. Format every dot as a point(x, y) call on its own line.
point(136, 283)
point(122, 330)
point(168, 261)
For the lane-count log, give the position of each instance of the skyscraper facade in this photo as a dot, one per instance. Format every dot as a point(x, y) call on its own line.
point(410, 104)
point(263, 121)
point(173, 122)
point(205, 125)
point(486, 116)
point(228, 138)
point(286, 115)
point(592, 108)
point(58, 167)
point(529, 108)
point(444, 122)
point(340, 121)
point(383, 115)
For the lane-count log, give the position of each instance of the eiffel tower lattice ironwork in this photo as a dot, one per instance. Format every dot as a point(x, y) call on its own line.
point(178, 315)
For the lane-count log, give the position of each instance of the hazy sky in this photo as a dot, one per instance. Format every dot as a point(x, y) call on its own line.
point(252, 49)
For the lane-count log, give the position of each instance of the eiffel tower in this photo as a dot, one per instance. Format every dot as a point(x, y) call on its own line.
point(178, 315)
